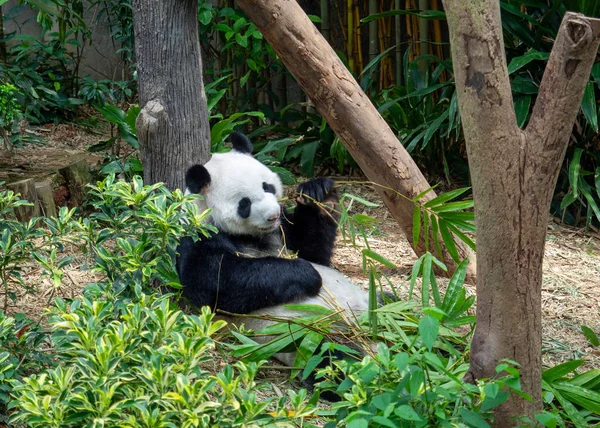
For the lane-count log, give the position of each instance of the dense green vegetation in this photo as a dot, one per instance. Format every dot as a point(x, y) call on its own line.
point(121, 354)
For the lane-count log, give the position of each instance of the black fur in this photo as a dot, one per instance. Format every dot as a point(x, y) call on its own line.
point(244, 207)
point(196, 178)
point(215, 274)
point(269, 188)
point(311, 229)
point(240, 143)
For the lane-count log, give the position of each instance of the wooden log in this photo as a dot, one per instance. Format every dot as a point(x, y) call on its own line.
point(45, 197)
point(76, 176)
point(26, 188)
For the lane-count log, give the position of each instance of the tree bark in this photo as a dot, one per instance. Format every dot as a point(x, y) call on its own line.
point(347, 109)
point(172, 126)
point(514, 173)
point(2, 44)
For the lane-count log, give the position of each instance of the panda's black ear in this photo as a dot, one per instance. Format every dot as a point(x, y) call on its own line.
point(197, 178)
point(240, 143)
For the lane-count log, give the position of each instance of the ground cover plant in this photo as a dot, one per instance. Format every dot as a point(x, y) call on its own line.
point(121, 354)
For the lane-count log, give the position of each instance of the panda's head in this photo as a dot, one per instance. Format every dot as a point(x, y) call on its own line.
point(242, 193)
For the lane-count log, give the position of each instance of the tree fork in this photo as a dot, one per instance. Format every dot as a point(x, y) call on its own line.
point(514, 174)
point(347, 109)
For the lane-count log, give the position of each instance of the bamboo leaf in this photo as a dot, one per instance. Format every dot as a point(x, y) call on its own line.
point(588, 106)
point(464, 238)
point(521, 61)
point(590, 335)
point(444, 197)
point(426, 279)
point(433, 127)
point(415, 274)
point(448, 240)
point(454, 286)
point(453, 206)
point(435, 235)
point(522, 103)
point(561, 370)
point(378, 258)
point(416, 228)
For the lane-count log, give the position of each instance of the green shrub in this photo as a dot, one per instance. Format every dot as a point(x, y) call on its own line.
point(140, 365)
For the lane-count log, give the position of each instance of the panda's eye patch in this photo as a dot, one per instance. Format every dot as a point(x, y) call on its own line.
point(268, 188)
point(244, 207)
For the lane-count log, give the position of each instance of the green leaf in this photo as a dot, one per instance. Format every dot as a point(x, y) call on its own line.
point(522, 103)
point(561, 370)
point(426, 279)
point(407, 413)
point(47, 6)
point(473, 419)
point(131, 118)
point(379, 258)
point(432, 127)
point(113, 114)
point(456, 284)
point(520, 61)
point(547, 419)
point(444, 197)
point(590, 335)
point(428, 330)
point(307, 160)
point(448, 240)
point(415, 274)
point(416, 228)
point(588, 106)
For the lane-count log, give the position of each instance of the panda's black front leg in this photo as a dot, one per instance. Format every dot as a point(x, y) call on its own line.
point(213, 275)
point(312, 227)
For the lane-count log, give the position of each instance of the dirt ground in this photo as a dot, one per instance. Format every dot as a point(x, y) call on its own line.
point(571, 288)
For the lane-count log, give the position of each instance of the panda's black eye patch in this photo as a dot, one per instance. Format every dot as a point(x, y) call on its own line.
point(244, 207)
point(268, 188)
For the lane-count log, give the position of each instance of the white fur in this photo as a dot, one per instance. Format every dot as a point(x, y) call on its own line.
point(235, 176)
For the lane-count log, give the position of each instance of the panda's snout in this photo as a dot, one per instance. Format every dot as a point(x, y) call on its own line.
point(273, 218)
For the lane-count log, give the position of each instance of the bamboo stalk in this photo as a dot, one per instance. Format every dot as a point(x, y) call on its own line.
point(423, 36)
point(325, 23)
point(372, 35)
point(437, 35)
point(357, 41)
point(350, 40)
point(398, 49)
point(409, 30)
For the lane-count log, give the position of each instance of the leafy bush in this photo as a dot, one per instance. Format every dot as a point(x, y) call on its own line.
point(140, 364)
point(22, 243)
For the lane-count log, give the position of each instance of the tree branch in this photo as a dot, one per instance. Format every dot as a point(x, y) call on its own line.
point(564, 81)
point(480, 70)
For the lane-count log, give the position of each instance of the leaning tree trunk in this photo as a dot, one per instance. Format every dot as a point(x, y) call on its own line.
point(514, 173)
point(173, 125)
point(347, 109)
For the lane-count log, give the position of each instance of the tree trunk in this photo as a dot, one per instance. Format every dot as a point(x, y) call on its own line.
point(2, 44)
point(173, 124)
point(347, 109)
point(514, 173)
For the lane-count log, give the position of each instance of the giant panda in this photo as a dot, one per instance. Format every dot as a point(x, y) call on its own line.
point(240, 270)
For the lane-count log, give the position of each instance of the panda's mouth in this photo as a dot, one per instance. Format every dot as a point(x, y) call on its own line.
point(270, 227)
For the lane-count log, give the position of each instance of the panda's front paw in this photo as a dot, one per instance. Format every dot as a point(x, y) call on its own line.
point(318, 191)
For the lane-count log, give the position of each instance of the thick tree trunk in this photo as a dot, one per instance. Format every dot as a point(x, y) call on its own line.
point(173, 124)
point(347, 109)
point(514, 173)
